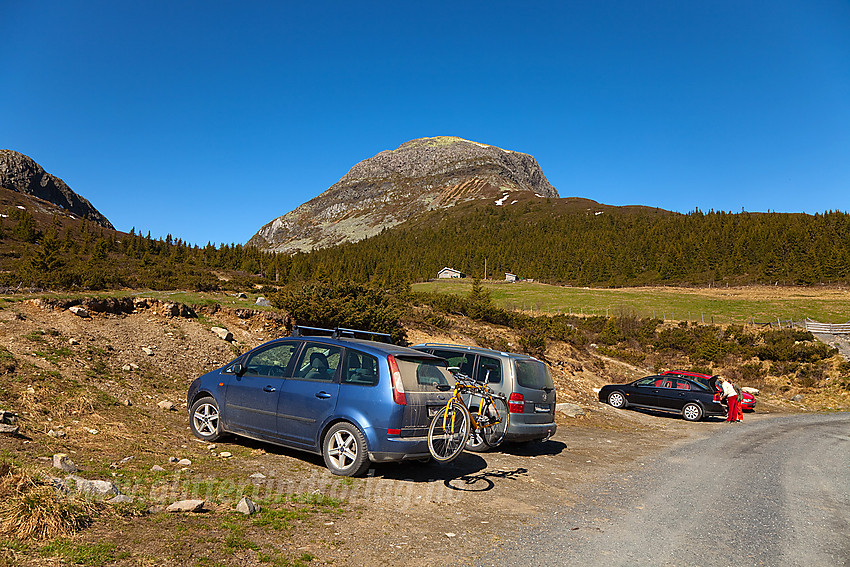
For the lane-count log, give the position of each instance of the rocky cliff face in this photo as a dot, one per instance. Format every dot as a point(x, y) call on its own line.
point(20, 173)
point(395, 185)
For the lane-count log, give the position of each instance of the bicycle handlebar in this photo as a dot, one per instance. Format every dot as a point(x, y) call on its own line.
point(467, 383)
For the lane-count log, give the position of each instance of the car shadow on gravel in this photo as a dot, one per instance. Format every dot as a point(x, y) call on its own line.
point(413, 471)
point(533, 448)
point(466, 464)
point(673, 415)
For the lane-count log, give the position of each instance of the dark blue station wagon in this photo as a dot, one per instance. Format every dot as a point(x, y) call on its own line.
point(353, 401)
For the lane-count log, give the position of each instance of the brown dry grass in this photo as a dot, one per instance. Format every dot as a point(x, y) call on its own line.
point(32, 508)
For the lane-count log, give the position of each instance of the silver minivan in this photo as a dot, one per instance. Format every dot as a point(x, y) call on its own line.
point(524, 381)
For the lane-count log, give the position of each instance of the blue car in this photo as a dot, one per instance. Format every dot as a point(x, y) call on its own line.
point(353, 401)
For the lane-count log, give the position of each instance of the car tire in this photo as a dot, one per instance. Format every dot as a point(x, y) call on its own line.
point(485, 438)
point(692, 412)
point(617, 399)
point(205, 419)
point(344, 450)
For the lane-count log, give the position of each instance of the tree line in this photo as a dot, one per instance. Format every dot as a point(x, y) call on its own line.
point(616, 248)
point(542, 240)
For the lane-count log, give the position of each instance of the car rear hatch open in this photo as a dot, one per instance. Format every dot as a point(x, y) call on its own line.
point(428, 386)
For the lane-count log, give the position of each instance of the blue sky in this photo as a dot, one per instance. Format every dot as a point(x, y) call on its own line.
point(208, 119)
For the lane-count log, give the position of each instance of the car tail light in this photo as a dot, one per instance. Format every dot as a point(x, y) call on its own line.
point(398, 387)
point(516, 403)
point(393, 431)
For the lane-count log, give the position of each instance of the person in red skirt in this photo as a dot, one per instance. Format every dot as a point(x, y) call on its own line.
point(731, 397)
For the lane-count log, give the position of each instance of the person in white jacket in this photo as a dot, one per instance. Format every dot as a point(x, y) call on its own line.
point(731, 397)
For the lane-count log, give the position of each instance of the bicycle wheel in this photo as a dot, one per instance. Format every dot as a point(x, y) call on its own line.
point(496, 413)
point(448, 432)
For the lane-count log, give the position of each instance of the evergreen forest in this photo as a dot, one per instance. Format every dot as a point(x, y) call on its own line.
point(543, 240)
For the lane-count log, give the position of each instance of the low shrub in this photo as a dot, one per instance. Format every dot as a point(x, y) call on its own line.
point(810, 375)
point(346, 304)
point(33, 508)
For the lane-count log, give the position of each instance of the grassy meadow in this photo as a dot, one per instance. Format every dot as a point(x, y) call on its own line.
point(720, 305)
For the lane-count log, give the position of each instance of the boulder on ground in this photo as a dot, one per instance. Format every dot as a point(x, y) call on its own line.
point(64, 463)
point(222, 333)
point(7, 422)
point(121, 499)
point(186, 506)
point(93, 487)
point(9, 429)
point(79, 311)
point(247, 506)
point(165, 405)
point(570, 410)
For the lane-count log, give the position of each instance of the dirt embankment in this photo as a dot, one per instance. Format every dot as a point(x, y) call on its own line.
point(91, 387)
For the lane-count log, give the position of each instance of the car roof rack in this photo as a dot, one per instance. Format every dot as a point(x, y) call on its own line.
point(339, 332)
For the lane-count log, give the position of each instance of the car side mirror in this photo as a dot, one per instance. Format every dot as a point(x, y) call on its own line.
point(238, 369)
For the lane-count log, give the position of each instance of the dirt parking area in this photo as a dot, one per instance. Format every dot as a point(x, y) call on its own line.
point(91, 383)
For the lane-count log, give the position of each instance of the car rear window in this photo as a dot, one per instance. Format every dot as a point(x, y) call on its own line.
point(533, 374)
point(418, 374)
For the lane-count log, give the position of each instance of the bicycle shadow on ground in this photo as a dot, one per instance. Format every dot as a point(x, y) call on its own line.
point(483, 481)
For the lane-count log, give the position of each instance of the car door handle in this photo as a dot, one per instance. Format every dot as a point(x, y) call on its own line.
point(323, 395)
point(270, 389)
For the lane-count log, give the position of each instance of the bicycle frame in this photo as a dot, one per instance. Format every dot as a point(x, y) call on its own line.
point(473, 389)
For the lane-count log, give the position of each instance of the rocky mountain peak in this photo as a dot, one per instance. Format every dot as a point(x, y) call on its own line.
point(21, 173)
point(396, 185)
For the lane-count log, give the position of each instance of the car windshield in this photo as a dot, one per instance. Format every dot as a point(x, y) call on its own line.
point(533, 374)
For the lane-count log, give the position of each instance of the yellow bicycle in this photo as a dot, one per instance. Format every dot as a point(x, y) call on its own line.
point(474, 417)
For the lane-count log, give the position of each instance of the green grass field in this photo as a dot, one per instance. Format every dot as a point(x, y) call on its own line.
point(719, 305)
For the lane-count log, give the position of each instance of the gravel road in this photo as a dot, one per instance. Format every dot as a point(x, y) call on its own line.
point(772, 491)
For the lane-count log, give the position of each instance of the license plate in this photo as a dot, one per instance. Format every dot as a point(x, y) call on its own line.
point(542, 408)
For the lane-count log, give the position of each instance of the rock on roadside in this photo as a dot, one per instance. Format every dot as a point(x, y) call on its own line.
point(570, 410)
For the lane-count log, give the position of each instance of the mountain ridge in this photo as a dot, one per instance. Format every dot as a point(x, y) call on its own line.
point(395, 185)
point(21, 173)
